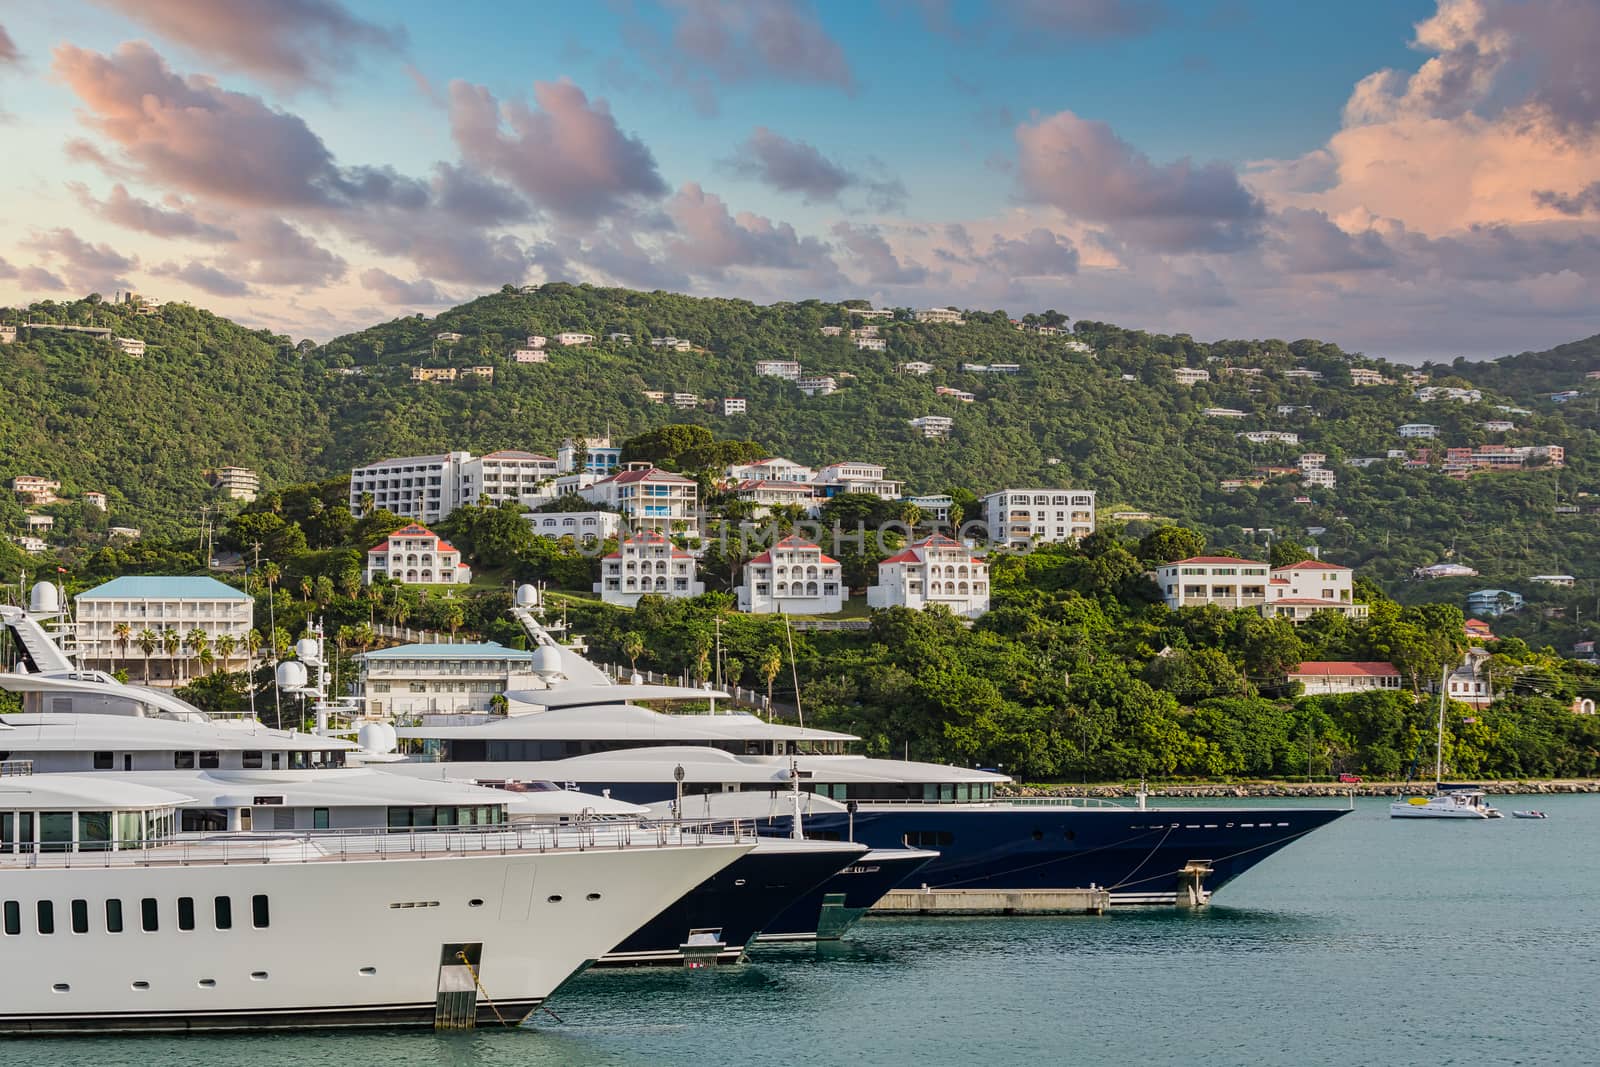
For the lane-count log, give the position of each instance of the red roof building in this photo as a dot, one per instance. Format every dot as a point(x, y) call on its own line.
point(1336, 678)
point(416, 555)
point(935, 570)
point(793, 577)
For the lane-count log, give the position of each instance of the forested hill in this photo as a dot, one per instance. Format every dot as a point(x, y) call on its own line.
point(208, 392)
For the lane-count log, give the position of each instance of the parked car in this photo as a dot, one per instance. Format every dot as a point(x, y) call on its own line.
point(1349, 779)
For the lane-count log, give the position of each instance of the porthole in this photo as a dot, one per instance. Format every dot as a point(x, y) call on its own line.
point(258, 976)
point(141, 986)
point(553, 898)
point(61, 987)
point(368, 972)
point(738, 881)
point(1038, 835)
point(207, 983)
point(593, 896)
point(475, 902)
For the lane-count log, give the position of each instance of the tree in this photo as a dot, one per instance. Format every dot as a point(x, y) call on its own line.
point(197, 641)
point(1168, 544)
point(123, 632)
point(1287, 552)
point(171, 641)
point(770, 663)
point(307, 584)
point(454, 616)
point(147, 640)
point(633, 648)
point(227, 644)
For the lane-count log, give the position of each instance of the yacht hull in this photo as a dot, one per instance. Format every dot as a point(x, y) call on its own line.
point(828, 911)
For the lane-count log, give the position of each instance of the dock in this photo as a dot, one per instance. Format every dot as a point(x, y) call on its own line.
point(968, 902)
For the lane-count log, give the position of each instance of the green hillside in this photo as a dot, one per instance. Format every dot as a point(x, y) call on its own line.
point(209, 392)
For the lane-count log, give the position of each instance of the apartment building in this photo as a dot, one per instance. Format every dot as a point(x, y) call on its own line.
point(940, 316)
point(1368, 376)
point(569, 339)
point(130, 346)
point(1016, 518)
point(647, 564)
point(872, 344)
point(837, 478)
point(734, 405)
point(111, 616)
point(599, 455)
point(916, 366)
point(416, 555)
point(787, 369)
point(581, 526)
point(934, 427)
point(1190, 375)
point(236, 483)
point(509, 474)
point(441, 679)
point(935, 570)
point(776, 469)
point(650, 498)
point(765, 494)
point(818, 385)
point(793, 577)
point(1302, 589)
point(37, 490)
point(424, 488)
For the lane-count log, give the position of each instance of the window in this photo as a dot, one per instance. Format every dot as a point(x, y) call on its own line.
point(80, 916)
point(103, 761)
point(319, 818)
point(186, 913)
point(259, 913)
point(149, 915)
point(55, 831)
point(210, 760)
point(13, 918)
point(46, 912)
point(183, 761)
point(113, 916)
point(94, 831)
point(224, 912)
point(251, 760)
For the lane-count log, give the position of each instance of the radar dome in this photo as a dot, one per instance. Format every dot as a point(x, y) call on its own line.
point(547, 661)
point(45, 599)
point(306, 649)
point(291, 675)
point(378, 738)
point(527, 596)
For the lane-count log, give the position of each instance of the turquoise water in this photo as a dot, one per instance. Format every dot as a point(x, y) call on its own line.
point(1372, 941)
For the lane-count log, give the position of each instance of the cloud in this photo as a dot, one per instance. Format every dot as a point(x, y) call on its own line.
point(393, 290)
point(40, 278)
point(868, 248)
point(1076, 20)
point(737, 42)
point(791, 166)
point(9, 56)
point(711, 239)
point(569, 156)
point(1085, 169)
point(474, 199)
point(1311, 243)
point(1583, 202)
point(205, 278)
point(131, 212)
point(88, 267)
point(279, 254)
point(290, 43)
point(1038, 253)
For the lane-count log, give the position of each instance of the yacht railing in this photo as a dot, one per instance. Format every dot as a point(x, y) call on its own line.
point(15, 768)
point(342, 845)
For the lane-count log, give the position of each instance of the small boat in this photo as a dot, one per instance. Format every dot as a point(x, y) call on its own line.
point(1449, 801)
point(1530, 814)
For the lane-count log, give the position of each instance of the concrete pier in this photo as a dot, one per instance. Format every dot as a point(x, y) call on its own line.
point(958, 902)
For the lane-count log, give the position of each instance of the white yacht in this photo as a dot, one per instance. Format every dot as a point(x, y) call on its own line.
point(1448, 801)
point(111, 921)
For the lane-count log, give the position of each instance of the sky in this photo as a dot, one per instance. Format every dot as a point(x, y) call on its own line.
point(1413, 179)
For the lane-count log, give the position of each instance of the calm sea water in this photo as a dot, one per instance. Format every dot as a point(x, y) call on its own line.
point(1372, 941)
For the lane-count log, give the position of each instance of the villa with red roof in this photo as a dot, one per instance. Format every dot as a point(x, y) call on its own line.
point(650, 498)
point(647, 563)
point(793, 577)
point(416, 555)
point(1335, 678)
point(1295, 592)
point(935, 570)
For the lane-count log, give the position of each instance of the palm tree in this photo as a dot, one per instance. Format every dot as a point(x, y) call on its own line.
point(270, 573)
point(197, 641)
point(454, 617)
point(208, 660)
point(123, 633)
point(306, 585)
point(147, 640)
point(227, 644)
point(350, 583)
point(633, 648)
point(771, 663)
point(374, 598)
point(366, 637)
point(171, 641)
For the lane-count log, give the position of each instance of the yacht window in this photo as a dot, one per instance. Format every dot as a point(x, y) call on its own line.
point(183, 761)
point(258, 911)
point(422, 816)
point(13, 918)
point(186, 913)
point(113, 916)
point(104, 761)
point(445, 816)
point(80, 916)
point(319, 818)
point(94, 831)
point(128, 823)
point(276, 759)
point(399, 818)
point(46, 911)
point(251, 760)
point(55, 831)
point(7, 840)
point(151, 919)
point(224, 910)
point(210, 760)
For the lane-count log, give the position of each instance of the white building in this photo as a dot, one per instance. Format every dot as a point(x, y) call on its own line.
point(735, 405)
point(1429, 393)
point(916, 366)
point(872, 313)
point(1297, 409)
point(818, 385)
point(942, 316)
point(508, 474)
point(832, 331)
point(1019, 517)
point(935, 570)
point(38, 523)
point(1565, 581)
point(872, 344)
point(649, 498)
point(110, 618)
point(129, 346)
point(424, 488)
point(1319, 477)
point(1224, 413)
point(37, 490)
point(621, 338)
point(1419, 429)
point(30, 544)
point(787, 369)
point(8, 335)
point(1368, 376)
point(1190, 375)
point(793, 577)
point(865, 331)
point(838, 478)
point(1341, 678)
point(1303, 374)
point(536, 340)
point(1312, 460)
point(1262, 437)
point(95, 500)
point(1295, 592)
point(934, 507)
point(677, 344)
point(956, 394)
point(237, 483)
point(569, 339)
point(776, 469)
point(647, 563)
point(581, 526)
point(684, 401)
point(531, 355)
point(441, 679)
point(934, 426)
point(599, 455)
point(1302, 589)
point(416, 555)
point(764, 494)
point(448, 337)
point(1497, 426)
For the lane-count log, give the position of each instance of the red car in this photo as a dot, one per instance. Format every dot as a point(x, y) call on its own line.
point(1349, 779)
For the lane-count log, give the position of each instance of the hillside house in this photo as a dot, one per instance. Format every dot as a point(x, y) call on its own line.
point(416, 555)
point(647, 564)
point(935, 570)
point(793, 577)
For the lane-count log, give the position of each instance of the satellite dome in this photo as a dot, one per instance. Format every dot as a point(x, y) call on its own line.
point(306, 649)
point(527, 596)
point(291, 675)
point(45, 599)
point(547, 661)
point(378, 738)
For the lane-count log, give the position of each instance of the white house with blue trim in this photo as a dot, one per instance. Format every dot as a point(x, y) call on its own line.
point(441, 679)
point(159, 603)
